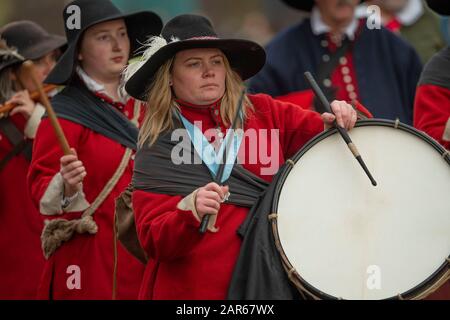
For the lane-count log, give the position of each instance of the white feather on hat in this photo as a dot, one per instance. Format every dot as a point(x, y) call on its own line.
point(8, 53)
point(148, 49)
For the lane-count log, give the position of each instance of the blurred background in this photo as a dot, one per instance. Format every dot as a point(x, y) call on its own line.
point(258, 20)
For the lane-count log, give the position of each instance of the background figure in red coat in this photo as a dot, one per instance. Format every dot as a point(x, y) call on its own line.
point(190, 70)
point(432, 105)
point(98, 121)
point(20, 253)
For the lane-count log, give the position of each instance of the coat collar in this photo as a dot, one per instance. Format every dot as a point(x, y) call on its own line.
point(98, 88)
point(318, 26)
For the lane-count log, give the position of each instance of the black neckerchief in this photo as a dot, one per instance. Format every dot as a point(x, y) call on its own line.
point(156, 172)
point(77, 104)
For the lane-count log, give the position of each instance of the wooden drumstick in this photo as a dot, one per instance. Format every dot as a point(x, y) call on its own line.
point(29, 68)
point(219, 175)
point(323, 100)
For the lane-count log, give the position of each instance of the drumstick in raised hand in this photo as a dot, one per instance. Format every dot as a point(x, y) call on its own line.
point(219, 175)
point(323, 100)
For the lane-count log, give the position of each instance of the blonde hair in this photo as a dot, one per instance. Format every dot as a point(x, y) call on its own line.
point(6, 85)
point(161, 102)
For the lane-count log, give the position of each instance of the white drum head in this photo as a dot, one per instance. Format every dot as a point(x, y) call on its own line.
point(351, 240)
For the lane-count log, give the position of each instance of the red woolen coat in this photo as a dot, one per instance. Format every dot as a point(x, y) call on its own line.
point(432, 111)
point(431, 114)
point(184, 264)
point(90, 257)
point(21, 259)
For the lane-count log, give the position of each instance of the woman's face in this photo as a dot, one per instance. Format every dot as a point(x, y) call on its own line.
point(198, 76)
point(104, 50)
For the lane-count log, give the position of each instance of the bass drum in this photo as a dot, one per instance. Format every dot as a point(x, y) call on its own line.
point(339, 237)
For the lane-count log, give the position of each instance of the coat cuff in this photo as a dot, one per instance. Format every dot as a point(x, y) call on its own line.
point(188, 204)
point(51, 201)
point(446, 135)
point(33, 121)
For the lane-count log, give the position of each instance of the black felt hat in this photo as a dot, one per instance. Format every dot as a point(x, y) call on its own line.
point(189, 32)
point(28, 40)
point(440, 6)
point(8, 56)
point(140, 26)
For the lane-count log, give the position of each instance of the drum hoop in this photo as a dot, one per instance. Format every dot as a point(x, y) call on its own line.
point(420, 291)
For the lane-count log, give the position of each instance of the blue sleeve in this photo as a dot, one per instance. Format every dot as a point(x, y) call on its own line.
point(266, 81)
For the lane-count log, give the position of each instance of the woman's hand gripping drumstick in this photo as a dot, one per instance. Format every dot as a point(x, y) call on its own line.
point(339, 126)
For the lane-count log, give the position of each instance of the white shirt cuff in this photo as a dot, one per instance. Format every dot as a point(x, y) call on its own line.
point(34, 120)
point(188, 204)
point(51, 201)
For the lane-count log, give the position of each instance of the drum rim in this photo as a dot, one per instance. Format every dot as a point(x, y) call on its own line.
point(413, 293)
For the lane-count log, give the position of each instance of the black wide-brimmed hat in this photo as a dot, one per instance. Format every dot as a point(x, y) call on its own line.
point(188, 32)
point(140, 26)
point(9, 56)
point(29, 40)
point(440, 6)
point(303, 5)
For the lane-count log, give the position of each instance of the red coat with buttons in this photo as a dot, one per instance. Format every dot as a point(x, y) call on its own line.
point(20, 227)
point(82, 268)
point(186, 265)
point(343, 79)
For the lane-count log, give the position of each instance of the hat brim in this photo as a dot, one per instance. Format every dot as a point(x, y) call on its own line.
point(46, 46)
point(53, 42)
point(140, 26)
point(303, 5)
point(10, 63)
point(245, 57)
point(439, 6)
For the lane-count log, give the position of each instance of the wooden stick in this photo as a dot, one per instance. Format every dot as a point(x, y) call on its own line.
point(29, 67)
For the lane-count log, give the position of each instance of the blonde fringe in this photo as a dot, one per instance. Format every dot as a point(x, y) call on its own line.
point(161, 103)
